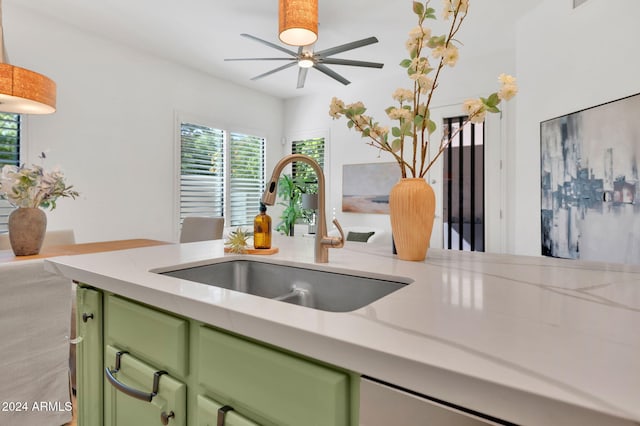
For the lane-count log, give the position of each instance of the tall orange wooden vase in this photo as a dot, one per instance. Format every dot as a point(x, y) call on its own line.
point(412, 205)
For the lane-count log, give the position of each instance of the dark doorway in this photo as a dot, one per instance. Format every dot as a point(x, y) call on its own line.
point(463, 186)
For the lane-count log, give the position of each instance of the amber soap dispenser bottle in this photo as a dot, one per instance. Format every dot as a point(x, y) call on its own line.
point(262, 229)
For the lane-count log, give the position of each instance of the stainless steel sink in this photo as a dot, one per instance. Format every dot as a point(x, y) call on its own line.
point(319, 289)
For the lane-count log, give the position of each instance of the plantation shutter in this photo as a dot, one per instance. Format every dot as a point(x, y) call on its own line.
point(9, 154)
point(202, 171)
point(246, 180)
point(303, 172)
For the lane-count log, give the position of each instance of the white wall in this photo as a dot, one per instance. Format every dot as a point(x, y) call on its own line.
point(567, 60)
point(472, 76)
point(114, 131)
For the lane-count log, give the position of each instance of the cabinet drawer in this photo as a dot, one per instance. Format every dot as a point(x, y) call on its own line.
point(122, 409)
point(270, 386)
point(154, 336)
point(208, 414)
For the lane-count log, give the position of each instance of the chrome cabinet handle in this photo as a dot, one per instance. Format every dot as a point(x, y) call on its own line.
point(135, 393)
point(222, 414)
point(86, 317)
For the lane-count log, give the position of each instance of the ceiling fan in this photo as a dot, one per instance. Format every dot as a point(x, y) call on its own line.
point(306, 58)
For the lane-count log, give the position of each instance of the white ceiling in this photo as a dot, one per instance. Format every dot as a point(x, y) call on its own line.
point(201, 33)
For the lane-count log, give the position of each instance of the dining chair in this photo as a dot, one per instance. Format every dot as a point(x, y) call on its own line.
point(51, 238)
point(4, 241)
point(35, 306)
point(200, 228)
point(60, 237)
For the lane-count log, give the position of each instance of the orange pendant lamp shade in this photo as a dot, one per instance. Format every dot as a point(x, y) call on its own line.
point(298, 22)
point(26, 92)
point(23, 91)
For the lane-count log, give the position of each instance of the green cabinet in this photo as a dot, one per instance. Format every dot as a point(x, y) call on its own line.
point(143, 366)
point(157, 337)
point(137, 394)
point(272, 386)
point(89, 369)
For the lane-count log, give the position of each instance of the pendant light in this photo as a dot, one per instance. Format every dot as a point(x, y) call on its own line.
point(23, 91)
point(298, 22)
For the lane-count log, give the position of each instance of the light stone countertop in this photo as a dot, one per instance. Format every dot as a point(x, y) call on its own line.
point(529, 340)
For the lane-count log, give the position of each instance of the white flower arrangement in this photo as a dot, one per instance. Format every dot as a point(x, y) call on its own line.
point(33, 187)
point(413, 113)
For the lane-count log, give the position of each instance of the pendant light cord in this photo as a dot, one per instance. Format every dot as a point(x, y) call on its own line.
point(3, 50)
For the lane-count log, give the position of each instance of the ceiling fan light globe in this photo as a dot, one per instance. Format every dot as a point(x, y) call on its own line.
point(306, 63)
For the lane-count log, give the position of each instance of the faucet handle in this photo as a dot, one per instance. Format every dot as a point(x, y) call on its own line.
point(338, 241)
point(332, 242)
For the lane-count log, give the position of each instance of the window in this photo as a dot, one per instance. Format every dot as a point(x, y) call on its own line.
point(201, 171)
point(9, 154)
point(246, 180)
point(221, 174)
point(303, 172)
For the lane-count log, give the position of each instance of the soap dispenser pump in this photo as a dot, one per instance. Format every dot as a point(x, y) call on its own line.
point(262, 229)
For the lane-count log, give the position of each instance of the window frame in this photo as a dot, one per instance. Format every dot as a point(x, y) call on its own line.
point(181, 117)
point(5, 206)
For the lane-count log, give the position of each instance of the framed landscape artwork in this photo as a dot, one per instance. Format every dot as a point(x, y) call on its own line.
point(590, 201)
point(366, 187)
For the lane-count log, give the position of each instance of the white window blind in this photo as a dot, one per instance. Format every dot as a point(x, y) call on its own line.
point(9, 154)
point(202, 171)
point(213, 183)
point(302, 172)
point(246, 180)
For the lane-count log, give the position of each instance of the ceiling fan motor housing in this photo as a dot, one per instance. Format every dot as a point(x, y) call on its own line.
point(306, 58)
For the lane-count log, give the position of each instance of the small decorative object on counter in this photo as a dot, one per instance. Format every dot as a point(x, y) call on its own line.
point(262, 229)
point(237, 241)
point(31, 189)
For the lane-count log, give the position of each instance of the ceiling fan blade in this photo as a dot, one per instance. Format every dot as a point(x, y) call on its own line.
point(268, 43)
point(348, 46)
point(336, 61)
point(331, 73)
point(274, 70)
point(302, 77)
point(260, 59)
